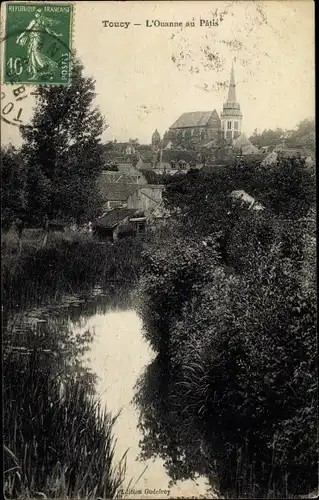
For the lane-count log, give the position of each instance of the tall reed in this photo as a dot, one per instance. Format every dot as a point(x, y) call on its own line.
point(58, 440)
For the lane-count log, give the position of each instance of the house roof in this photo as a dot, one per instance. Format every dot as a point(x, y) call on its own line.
point(241, 141)
point(176, 155)
point(115, 191)
point(114, 217)
point(241, 195)
point(193, 119)
point(128, 169)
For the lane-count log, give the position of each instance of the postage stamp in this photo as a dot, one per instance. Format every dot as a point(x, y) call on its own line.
point(38, 39)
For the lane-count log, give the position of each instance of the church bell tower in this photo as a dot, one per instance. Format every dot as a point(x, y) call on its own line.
point(231, 116)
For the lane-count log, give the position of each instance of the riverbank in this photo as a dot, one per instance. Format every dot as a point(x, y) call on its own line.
point(32, 273)
point(230, 392)
point(236, 360)
point(58, 438)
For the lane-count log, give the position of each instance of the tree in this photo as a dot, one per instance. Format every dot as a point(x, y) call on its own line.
point(62, 151)
point(304, 136)
point(267, 138)
point(13, 177)
point(288, 187)
point(239, 371)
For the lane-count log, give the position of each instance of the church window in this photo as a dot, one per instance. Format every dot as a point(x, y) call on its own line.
point(229, 125)
point(236, 125)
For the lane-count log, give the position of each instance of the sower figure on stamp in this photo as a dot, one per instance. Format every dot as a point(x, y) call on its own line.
point(37, 62)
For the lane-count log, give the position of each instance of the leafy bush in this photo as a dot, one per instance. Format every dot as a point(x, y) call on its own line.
point(240, 396)
point(172, 274)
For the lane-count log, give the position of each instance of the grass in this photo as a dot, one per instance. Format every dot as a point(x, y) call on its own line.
point(32, 273)
point(58, 440)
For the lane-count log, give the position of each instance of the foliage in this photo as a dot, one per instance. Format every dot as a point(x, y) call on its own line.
point(197, 192)
point(302, 136)
point(13, 179)
point(62, 153)
point(267, 138)
point(36, 273)
point(153, 177)
point(240, 345)
point(288, 187)
point(167, 287)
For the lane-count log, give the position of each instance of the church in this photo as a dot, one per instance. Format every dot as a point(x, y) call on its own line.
point(205, 129)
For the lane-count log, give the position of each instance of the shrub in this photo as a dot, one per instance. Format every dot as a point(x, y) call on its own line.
point(241, 349)
point(173, 273)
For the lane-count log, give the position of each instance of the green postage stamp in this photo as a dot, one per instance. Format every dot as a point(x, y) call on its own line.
point(38, 39)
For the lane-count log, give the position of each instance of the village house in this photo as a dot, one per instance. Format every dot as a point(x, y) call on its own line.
point(125, 174)
point(284, 152)
point(115, 194)
point(243, 146)
point(121, 222)
point(116, 223)
point(127, 209)
point(144, 197)
point(174, 161)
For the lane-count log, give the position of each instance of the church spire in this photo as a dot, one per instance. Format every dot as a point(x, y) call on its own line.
point(232, 86)
point(231, 116)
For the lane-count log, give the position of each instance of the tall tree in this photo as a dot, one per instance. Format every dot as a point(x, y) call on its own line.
point(62, 151)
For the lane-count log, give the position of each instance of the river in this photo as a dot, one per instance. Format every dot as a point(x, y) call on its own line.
point(118, 355)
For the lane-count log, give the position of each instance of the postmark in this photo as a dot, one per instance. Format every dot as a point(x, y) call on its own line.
point(13, 100)
point(37, 44)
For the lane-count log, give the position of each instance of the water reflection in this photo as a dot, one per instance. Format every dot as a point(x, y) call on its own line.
point(65, 365)
point(119, 355)
point(58, 437)
point(165, 431)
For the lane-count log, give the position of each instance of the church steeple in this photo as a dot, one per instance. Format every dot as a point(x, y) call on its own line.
point(231, 115)
point(232, 86)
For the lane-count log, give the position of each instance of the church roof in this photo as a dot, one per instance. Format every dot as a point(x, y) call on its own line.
point(194, 119)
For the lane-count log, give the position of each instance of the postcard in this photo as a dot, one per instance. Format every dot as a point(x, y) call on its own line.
point(158, 249)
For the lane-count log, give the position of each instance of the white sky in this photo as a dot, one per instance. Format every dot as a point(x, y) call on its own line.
point(141, 88)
